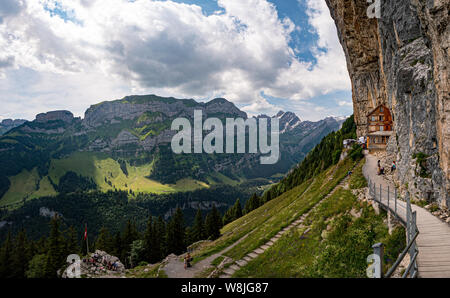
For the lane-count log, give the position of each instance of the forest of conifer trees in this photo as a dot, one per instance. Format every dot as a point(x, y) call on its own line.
point(21, 257)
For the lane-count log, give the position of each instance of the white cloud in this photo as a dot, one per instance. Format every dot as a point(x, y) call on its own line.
point(107, 49)
point(260, 106)
point(343, 103)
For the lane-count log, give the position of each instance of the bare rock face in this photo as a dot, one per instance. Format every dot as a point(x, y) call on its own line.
point(401, 60)
point(145, 110)
point(99, 265)
point(8, 124)
point(65, 116)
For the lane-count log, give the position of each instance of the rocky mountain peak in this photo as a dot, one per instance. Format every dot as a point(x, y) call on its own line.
point(8, 124)
point(288, 121)
point(221, 105)
point(62, 115)
point(279, 114)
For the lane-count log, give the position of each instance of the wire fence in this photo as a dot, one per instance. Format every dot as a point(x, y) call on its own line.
point(401, 209)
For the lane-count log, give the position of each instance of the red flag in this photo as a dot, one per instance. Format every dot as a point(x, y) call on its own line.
point(85, 232)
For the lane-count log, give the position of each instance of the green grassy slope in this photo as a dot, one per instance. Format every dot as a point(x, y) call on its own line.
point(27, 185)
point(107, 174)
point(342, 229)
point(342, 232)
point(263, 223)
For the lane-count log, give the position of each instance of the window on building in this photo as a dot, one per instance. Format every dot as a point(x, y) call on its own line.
point(381, 118)
point(373, 118)
point(381, 128)
point(381, 109)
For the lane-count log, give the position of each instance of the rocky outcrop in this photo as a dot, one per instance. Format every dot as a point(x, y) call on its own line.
point(64, 116)
point(8, 124)
point(288, 121)
point(132, 107)
point(401, 60)
point(195, 205)
point(99, 265)
point(45, 212)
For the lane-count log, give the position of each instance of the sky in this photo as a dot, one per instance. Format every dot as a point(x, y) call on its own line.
point(263, 55)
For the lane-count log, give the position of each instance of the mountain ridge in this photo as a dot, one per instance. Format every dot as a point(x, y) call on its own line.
point(125, 144)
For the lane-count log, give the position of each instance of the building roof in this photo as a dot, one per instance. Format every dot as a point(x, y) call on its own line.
point(374, 110)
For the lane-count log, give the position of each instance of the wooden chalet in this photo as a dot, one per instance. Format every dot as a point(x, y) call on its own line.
point(379, 123)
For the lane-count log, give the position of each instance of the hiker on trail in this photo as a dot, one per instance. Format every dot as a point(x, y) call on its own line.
point(189, 259)
point(394, 166)
point(380, 169)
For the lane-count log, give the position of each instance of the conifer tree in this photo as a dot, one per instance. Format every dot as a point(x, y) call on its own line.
point(104, 240)
point(176, 233)
point(198, 230)
point(130, 234)
point(56, 249)
point(148, 240)
point(252, 203)
point(213, 224)
point(117, 245)
point(228, 216)
point(6, 257)
point(20, 255)
point(72, 246)
point(41, 245)
point(237, 210)
point(159, 240)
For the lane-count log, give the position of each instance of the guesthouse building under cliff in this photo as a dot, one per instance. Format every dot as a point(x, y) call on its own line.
point(379, 123)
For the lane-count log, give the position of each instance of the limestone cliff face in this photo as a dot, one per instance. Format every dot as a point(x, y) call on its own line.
point(402, 60)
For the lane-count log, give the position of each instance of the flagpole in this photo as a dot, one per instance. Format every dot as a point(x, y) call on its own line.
point(87, 243)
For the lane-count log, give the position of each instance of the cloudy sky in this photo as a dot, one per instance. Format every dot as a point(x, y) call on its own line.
point(263, 55)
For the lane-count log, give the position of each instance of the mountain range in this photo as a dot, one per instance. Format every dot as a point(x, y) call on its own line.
point(125, 145)
point(8, 124)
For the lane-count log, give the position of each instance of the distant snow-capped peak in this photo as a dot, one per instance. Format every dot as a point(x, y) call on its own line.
point(288, 121)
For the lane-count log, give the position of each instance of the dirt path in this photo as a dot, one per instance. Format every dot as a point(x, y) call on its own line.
point(175, 267)
point(434, 239)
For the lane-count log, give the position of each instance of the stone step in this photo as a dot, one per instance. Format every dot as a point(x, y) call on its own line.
point(235, 267)
point(229, 271)
point(247, 258)
point(265, 247)
point(242, 263)
point(258, 251)
point(270, 243)
point(225, 276)
point(252, 255)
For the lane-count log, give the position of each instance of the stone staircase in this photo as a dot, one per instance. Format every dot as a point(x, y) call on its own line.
point(228, 272)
